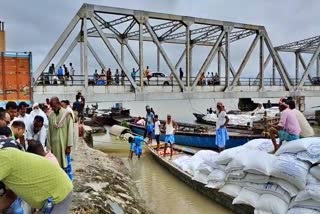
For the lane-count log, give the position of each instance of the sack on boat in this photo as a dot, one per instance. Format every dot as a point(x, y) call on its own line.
point(312, 190)
point(181, 160)
point(246, 197)
point(217, 175)
point(261, 212)
point(272, 204)
point(311, 154)
point(302, 211)
point(227, 155)
point(200, 177)
point(269, 188)
point(290, 188)
point(231, 189)
point(290, 169)
point(204, 168)
point(308, 204)
point(315, 171)
point(299, 145)
point(215, 184)
point(254, 178)
point(262, 144)
point(262, 166)
point(247, 160)
point(236, 174)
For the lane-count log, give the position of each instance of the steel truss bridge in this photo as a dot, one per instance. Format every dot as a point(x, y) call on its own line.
point(188, 32)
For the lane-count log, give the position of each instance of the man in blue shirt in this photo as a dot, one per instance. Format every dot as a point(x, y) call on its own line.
point(135, 146)
point(149, 124)
point(60, 73)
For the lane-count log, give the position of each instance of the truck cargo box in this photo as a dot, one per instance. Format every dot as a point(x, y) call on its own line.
point(15, 77)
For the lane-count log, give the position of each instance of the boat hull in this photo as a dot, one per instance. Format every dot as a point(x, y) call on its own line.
point(200, 140)
point(213, 194)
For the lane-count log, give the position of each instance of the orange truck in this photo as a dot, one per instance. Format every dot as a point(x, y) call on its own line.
point(15, 77)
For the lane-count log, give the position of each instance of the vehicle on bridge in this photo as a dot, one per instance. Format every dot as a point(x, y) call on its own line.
point(158, 78)
point(315, 80)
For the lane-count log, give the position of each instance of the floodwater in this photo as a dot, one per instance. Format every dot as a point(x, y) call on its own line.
point(162, 192)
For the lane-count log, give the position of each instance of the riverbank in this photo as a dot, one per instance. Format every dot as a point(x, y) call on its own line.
point(102, 184)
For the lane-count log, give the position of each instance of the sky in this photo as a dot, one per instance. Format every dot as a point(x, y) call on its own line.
point(35, 25)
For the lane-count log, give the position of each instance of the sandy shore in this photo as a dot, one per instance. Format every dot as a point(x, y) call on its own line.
point(102, 184)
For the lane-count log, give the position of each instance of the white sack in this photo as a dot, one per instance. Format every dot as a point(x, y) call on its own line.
point(246, 197)
point(315, 171)
point(312, 190)
point(290, 188)
point(271, 203)
point(302, 211)
point(290, 169)
point(262, 144)
point(231, 189)
point(200, 177)
point(215, 184)
point(227, 155)
point(299, 145)
point(217, 175)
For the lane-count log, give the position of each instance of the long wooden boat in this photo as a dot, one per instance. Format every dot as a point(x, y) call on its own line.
point(216, 196)
point(202, 137)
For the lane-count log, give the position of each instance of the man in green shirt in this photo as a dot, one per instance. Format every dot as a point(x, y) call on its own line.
point(34, 179)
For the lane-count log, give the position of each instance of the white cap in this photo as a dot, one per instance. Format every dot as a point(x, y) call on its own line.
point(35, 105)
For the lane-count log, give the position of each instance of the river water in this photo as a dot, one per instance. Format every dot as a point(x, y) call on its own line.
point(162, 192)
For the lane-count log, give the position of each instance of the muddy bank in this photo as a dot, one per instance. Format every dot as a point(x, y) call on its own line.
point(102, 184)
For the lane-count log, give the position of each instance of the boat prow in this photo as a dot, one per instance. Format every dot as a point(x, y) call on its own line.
point(216, 196)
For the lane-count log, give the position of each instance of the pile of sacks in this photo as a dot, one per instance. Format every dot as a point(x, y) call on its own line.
point(241, 120)
point(287, 182)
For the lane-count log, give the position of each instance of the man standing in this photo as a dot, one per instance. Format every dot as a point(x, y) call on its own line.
point(288, 128)
point(60, 73)
point(60, 135)
point(36, 131)
point(123, 76)
point(306, 129)
point(72, 71)
point(51, 73)
point(170, 128)
point(181, 74)
point(149, 124)
point(133, 74)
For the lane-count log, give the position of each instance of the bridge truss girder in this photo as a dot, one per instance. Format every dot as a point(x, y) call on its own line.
point(174, 29)
point(305, 46)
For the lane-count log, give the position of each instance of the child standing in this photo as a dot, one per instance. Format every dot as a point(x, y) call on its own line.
point(157, 130)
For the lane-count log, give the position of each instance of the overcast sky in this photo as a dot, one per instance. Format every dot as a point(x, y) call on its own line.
point(35, 25)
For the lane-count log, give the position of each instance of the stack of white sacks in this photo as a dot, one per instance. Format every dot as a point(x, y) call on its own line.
point(287, 182)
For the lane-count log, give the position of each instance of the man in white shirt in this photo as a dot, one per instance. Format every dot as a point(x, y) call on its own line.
point(37, 111)
point(306, 129)
point(36, 131)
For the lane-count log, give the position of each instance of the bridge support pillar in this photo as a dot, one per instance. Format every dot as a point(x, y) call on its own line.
point(84, 53)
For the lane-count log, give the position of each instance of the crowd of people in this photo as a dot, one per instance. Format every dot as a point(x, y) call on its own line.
point(35, 155)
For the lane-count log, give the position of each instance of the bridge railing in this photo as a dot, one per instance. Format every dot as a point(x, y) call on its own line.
point(79, 80)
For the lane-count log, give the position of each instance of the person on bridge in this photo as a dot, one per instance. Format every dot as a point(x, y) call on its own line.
point(147, 73)
point(123, 76)
point(109, 76)
point(221, 131)
point(181, 74)
point(288, 128)
point(117, 77)
point(51, 73)
point(72, 71)
point(149, 124)
point(169, 128)
point(306, 129)
point(133, 74)
point(60, 73)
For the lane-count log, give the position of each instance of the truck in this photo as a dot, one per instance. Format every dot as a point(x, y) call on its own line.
point(15, 77)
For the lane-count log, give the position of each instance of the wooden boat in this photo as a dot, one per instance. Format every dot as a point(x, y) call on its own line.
point(213, 194)
point(202, 137)
point(110, 116)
